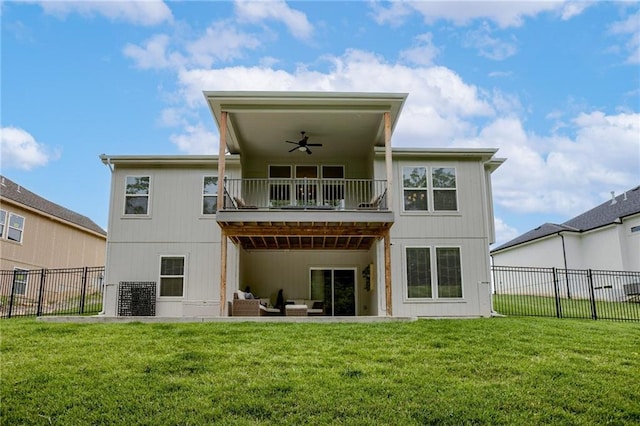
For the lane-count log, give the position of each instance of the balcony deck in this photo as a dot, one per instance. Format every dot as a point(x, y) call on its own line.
point(321, 215)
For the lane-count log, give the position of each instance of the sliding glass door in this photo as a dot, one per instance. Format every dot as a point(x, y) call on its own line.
point(337, 288)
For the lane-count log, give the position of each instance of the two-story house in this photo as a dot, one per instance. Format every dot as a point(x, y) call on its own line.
point(308, 199)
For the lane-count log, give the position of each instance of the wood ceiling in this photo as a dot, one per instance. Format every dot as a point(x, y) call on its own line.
point(305, 235)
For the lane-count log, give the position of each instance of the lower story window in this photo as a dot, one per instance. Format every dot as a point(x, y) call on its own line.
point(20, 277)
point(447, 274)
point(172, 276)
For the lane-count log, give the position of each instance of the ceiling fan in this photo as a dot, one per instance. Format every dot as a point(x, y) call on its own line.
point(303, 145)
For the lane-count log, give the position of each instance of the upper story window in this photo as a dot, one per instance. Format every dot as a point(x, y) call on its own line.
point(414, 185)
point(209, 195)
point(15, 227)
point(172, 276)
point(445, 196)
point(3, 221)
point(137, 195)
point(436, 193)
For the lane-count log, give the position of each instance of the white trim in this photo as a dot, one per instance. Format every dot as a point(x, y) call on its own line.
point(433, 263)
point(26, 280)
point(148, 195)
point(3, 223)
point(184, 276)
point(9, 227)
point(203, 195)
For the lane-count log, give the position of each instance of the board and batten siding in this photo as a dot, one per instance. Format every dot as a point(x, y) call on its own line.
point(466, 228)
point(176, 226)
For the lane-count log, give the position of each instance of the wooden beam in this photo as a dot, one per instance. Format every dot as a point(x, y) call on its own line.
point(387, 159)
point(221, 159)
point(223, 274)
point(290, 231)
point(387, 272)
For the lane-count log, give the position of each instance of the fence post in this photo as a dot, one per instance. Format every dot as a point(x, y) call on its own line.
point(43, 273)
point(13, 289)
point(556, 291)
point(84, 289)
point(592, 295)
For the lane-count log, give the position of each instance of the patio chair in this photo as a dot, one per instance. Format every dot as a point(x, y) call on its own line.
point(373, 204)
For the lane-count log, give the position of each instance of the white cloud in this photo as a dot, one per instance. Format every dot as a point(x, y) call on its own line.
point(140, 12)
point(20, 150)
point(489, 46)
point(196, 139)
point(558, 174)
point(504, 232)
point(503, 13)
point(276, 10)
point(220, 42)
point(153, 54)
point(423, 52)
point(629, 27)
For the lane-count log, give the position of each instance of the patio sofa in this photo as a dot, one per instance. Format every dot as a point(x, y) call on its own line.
point(241, 307)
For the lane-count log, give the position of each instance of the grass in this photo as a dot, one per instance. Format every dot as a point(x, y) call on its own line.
point(570, 308)
point(486, 371)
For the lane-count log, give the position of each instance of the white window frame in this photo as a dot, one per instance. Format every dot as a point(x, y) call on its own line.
point(3, 222)
point(425, 189)
point(434, 189)
point(15, 280)
point(183, 276)
point(206, 195)
point(435, 279)
point(148, 195)
point(21, 230)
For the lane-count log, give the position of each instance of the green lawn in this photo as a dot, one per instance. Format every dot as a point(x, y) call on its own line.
point(495, 371)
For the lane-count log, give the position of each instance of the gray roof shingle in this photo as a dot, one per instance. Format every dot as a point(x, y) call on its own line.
point(17, 193)
point(626, 204)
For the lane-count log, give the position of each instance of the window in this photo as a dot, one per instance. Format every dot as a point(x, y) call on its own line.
point(16, 226)
point(209, 195)
point(279, 189)
point(418, 272)
point(448, 273)
point(3, 221)
point(635, 229)
point(20, 281)
point(444, 189)
point(333, 185)
point(171, 276)
point(137, 195)
point(414, 183)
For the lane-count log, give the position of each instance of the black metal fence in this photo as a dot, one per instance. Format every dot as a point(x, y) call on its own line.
point(72, 291)
point(566, 293)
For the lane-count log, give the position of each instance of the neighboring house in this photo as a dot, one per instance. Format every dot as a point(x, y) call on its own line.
point(606, 237)
point(38, 234)
point(333, 215)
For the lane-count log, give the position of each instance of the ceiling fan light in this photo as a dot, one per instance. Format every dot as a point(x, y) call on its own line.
point(302, 148)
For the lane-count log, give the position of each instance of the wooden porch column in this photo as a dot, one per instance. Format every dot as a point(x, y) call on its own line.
point(223, 273)
point(387, 158)
point(387, 271)
point(220, 206)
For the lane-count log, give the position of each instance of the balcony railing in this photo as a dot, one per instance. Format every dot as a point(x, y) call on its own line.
point(305, 194)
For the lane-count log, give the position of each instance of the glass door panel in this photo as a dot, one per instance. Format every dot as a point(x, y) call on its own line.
point(336, 288)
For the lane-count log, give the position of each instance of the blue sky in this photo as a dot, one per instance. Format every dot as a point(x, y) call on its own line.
point(554, 85)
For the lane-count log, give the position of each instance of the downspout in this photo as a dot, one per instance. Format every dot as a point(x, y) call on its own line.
point(564, 257)
point(104, 285)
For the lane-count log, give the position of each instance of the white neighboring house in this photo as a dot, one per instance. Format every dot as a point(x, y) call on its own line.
point(333, 215)
point(606, 237)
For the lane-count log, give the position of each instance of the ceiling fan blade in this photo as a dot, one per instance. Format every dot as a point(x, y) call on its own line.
point(292, 149)
point(308, 151)
point(292, 142)
point(314, 144)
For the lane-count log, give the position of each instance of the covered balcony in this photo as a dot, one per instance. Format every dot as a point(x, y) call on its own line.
point(305, 213)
